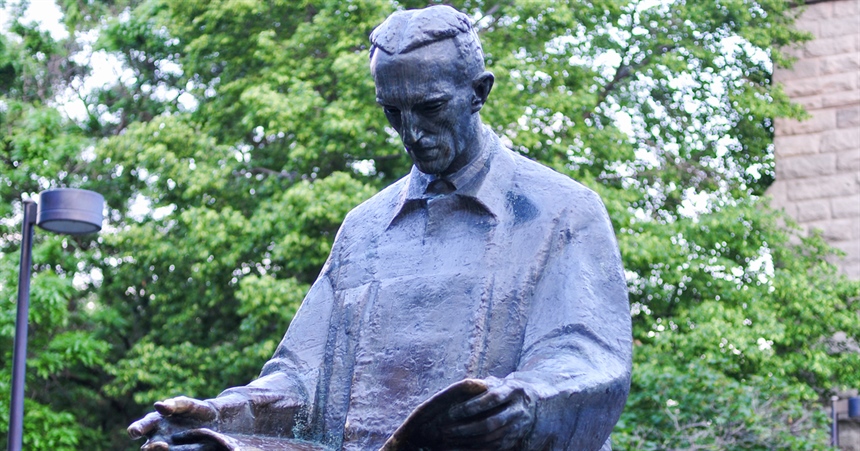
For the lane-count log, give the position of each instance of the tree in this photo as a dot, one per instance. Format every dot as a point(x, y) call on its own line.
point(243, 131)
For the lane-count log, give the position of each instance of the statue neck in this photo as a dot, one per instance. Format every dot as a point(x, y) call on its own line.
point(472, 150)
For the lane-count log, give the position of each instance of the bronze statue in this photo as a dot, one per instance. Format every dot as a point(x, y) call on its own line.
point(481, 296)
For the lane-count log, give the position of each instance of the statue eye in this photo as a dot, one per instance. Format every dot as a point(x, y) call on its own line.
point(434, 107)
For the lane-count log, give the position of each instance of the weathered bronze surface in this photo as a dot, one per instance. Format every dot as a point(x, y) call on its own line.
point(481, 296)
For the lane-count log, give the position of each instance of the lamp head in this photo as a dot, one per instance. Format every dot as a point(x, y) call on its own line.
point(70, 211)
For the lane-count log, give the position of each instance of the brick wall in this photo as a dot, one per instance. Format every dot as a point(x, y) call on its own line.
point(818, 160)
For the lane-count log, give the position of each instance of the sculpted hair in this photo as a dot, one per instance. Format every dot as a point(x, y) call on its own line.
point(404, 31)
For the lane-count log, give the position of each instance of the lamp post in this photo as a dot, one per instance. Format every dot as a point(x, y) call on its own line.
point(67, 211)
point(853, 412)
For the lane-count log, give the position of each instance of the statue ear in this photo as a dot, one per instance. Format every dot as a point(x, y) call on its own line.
point(482, 84)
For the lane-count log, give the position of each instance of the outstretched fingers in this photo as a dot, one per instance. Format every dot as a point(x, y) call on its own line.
point(187, 407)
point(144, 425)
point(182, 406)
point(155, 446)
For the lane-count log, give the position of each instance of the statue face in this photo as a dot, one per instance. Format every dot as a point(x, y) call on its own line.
point(430, 100)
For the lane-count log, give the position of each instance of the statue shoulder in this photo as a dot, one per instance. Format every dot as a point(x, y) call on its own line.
point(556, 193)
point(377, 210)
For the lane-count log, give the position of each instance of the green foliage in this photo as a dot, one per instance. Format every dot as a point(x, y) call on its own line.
point(674, 407)
point(242, 132)
point(749, 323)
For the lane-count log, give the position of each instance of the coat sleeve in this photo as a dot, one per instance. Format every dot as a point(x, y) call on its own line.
point(576, 357)
point(283, 396)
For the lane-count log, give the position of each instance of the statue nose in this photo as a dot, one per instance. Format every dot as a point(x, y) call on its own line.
point(411, 132)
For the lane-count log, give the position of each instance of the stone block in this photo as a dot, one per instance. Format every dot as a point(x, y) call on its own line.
point(851, 247)
point(787, 146)
point(778, 195)
point(848, 160)
point(841, 139)
point(846, 207)
point(835, 231)
point(805, 68)
point(838, 99)
point(830, 46)
point(846, 8)
point(812, 102)
point(817, 11)
point(806, 166)
point(822, 187)
point(852, 271)
point(812, 210)
point(812, 25)
point(848, 117)
point(821, 120)
point(802, 88)
point(844, 25)
point(845, 63)
point(789, 208)
point(838, 82)
point(794, 51)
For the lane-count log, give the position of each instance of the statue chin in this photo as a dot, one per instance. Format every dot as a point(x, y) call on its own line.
point(434, 166)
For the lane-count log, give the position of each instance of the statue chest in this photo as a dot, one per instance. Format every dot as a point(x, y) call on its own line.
point(422, 306)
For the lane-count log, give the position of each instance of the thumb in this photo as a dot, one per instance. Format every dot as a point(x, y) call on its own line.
point(188, 407)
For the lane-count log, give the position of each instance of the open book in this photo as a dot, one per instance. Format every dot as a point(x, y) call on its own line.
point(419, 432)
point(204, 439)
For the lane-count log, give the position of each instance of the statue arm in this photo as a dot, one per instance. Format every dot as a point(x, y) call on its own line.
point(283, 394)
point(577, 348)
point(270, 405)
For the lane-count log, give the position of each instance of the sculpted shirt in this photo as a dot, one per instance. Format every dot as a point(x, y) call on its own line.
point(515, 274)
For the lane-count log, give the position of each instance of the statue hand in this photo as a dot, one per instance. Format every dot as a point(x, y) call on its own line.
point(171, 416)
point(190, 408)
point(498, 419)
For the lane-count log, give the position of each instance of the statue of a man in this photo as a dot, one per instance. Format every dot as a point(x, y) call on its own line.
point(478, 265)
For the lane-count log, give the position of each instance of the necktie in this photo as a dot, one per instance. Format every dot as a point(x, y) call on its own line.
point(440, 186)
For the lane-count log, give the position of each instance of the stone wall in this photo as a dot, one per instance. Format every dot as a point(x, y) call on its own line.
point(818, 159)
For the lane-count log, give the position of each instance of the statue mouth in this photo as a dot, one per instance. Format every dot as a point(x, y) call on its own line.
point(424, 153)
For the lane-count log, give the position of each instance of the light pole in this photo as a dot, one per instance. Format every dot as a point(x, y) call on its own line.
point(853, 412)
point(67, 211)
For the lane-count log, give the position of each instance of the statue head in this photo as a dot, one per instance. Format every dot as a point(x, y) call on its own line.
point(428, 67)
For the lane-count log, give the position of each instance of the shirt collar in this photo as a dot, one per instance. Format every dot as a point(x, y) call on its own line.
point(486, 179)
point(467, 177)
